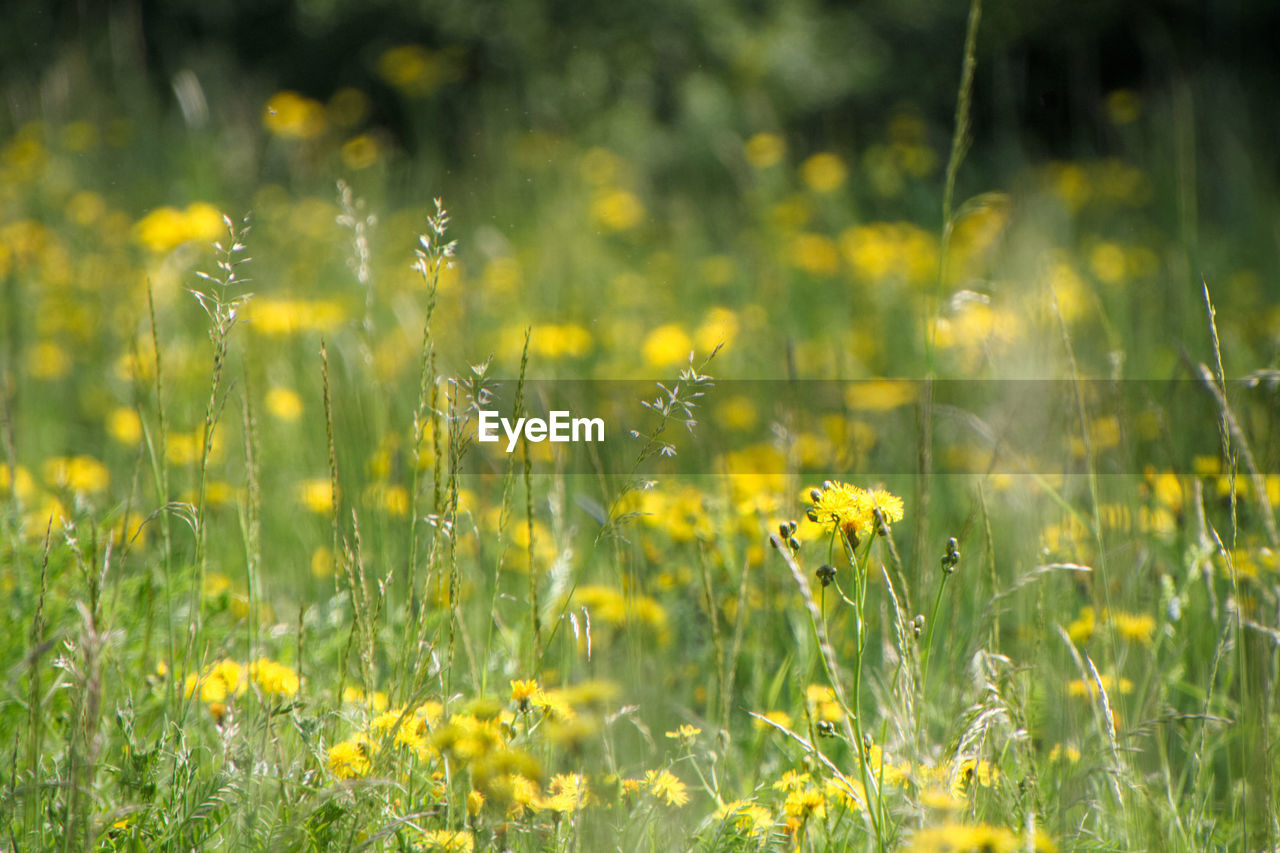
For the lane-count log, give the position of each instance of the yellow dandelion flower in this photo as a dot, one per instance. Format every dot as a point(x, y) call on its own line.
point(824, 172)
point(792, 780)
point(124, 425)
point(753, 818)
point(350, 758)
point(316, 495)
point(347, 107)
point(284, 404)
point(80, 474)
point(525, 692)
point(617, 210)
point(961, 838)
point(290, 115)
point(567, 792)
point(764, 150)
point(685, 734)
point(1136, 627)
point(360, 152)
point(274, 679)
point(448, 840)
point(664, 785)
point(667, 345)
point(805, 804)
point(48, 361)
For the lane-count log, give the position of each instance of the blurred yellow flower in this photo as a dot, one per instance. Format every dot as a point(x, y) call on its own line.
point(417, 71)
point(1070, 183)
point(351, 758)
point(664, 785)
point(816, 254)
point(220, 680)
point(360, 152)
point(279, 317)
point(823, 172)
point(48, 361)
point(764, 150)
point(81, 474)
point(1080, 687)
point(961, 838)
point(1107, 262)
point(316, 495)
point(284, 404)
point(166, 228)
point(347, 107)
point(720, 326)
point(274, 679)
point(17, 481)
point(617, 210)
point(85, 208)
point(293, 116)
point(667, 345)
point(559, 340)
point(1122, 106)
point(1136, 627)
point(880, 395)
point(600, 167)
point(448, 840)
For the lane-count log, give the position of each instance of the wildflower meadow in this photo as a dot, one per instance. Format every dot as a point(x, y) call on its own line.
point(710, 429)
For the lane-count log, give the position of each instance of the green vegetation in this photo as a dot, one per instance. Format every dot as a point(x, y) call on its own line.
point(844, 579)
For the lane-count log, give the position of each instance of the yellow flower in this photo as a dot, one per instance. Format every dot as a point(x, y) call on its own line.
point(414, 70)
point(284, 404)
point(567, 793)
point(685, 734)
point(80, 474)
point(824, 172)
point(347, 107)
point(1140, 628)
point(351, 758)
point(959, 838)
point(220, 680)
point(316, 495)
point(764, 150)
point(664, 785)
point(804, 804)
point(617, 210)
point(280, 317)
point(1123, 106)
point(1080, 687)
point(124, 425)
point(274, 679)
point(46, 360)
point(559, 340)
point(667, 345)
point(360, 152)
point(719, 327)
point(745, 815)
point(166, 228)
point(792, 780)
point(377, 700)
point(292, 116)
point(1081, 630)
point(525, 692)
point(449, 840)
point(816, 254)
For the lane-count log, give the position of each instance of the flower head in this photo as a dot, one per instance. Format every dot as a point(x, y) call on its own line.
point(852, 508)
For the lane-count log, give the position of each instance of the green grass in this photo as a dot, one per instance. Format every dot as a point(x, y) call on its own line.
point(264, 589)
